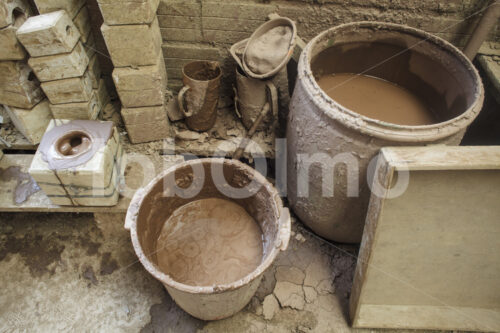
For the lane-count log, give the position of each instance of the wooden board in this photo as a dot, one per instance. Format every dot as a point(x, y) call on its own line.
point(429, 257)
point(39, 202)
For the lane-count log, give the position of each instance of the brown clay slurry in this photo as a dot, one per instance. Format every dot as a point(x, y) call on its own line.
point(73, 144)
point(376, 98)
point(209, 242)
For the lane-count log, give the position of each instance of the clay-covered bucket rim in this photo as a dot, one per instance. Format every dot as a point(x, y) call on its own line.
point(381, 129)
point(282, 237)
point(280, 21)
point(216, 63)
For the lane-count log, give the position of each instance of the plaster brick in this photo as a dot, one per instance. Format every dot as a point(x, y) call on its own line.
point(146, 124)
point(95, 72)
point(117, 12)
point(10, 48)
point(90, 46)
point(11, 9)
point(77, 89)
point(136, 45)
point(70, 6)
point(31, 122)
point(48, 34)
point(60, 66)
point(82, 22)
point(19, 87)
point(81, 110)
point(141, 86)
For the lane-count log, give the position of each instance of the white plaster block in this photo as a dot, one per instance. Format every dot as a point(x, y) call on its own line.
point(82, 22)
point(142, 85)
point(48, 34)
point(10, 47)
point(146, 123)
point(73, 90)
point(61, 66)
point(133, 45)
point(70, 6)
point(31, 122)
point(82, 110)
point(10, 10)
point(120, 12)
point(19, 86)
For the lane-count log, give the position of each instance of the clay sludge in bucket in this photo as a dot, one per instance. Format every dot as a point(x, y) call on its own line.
point(209, 242)
point(222, 277)
point(435, 72)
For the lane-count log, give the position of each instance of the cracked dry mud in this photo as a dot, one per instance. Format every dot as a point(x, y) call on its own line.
point(78, 272)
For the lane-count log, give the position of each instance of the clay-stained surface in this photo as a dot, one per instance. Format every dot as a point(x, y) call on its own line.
point(51, 265)
point(54, 265)
point(25, 184)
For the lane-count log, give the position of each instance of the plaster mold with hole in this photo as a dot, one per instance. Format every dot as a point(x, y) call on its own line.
point(79, 163)
point(48, 34)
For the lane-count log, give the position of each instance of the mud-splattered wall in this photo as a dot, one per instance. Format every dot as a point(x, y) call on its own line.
point(204, 29)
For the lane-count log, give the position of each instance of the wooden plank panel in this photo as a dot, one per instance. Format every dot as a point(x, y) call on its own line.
point(39, 202)
point(429, 256)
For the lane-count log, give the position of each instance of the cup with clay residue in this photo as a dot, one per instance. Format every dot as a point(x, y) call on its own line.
point(199, 97)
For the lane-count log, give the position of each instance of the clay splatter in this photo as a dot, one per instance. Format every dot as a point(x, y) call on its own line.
point(38, 253)
point(26, 185)
point(108, 264)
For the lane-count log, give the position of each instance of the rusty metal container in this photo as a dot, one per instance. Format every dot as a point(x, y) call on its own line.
point(199, 97)
point(429, 67)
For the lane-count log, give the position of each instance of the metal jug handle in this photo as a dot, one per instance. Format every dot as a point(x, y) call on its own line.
point(180, 99)
point(272, 96)
point(236, 100)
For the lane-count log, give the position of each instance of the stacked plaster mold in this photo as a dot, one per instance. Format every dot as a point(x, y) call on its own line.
point(63, 57)
point(133, 39)
point(20, 91)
